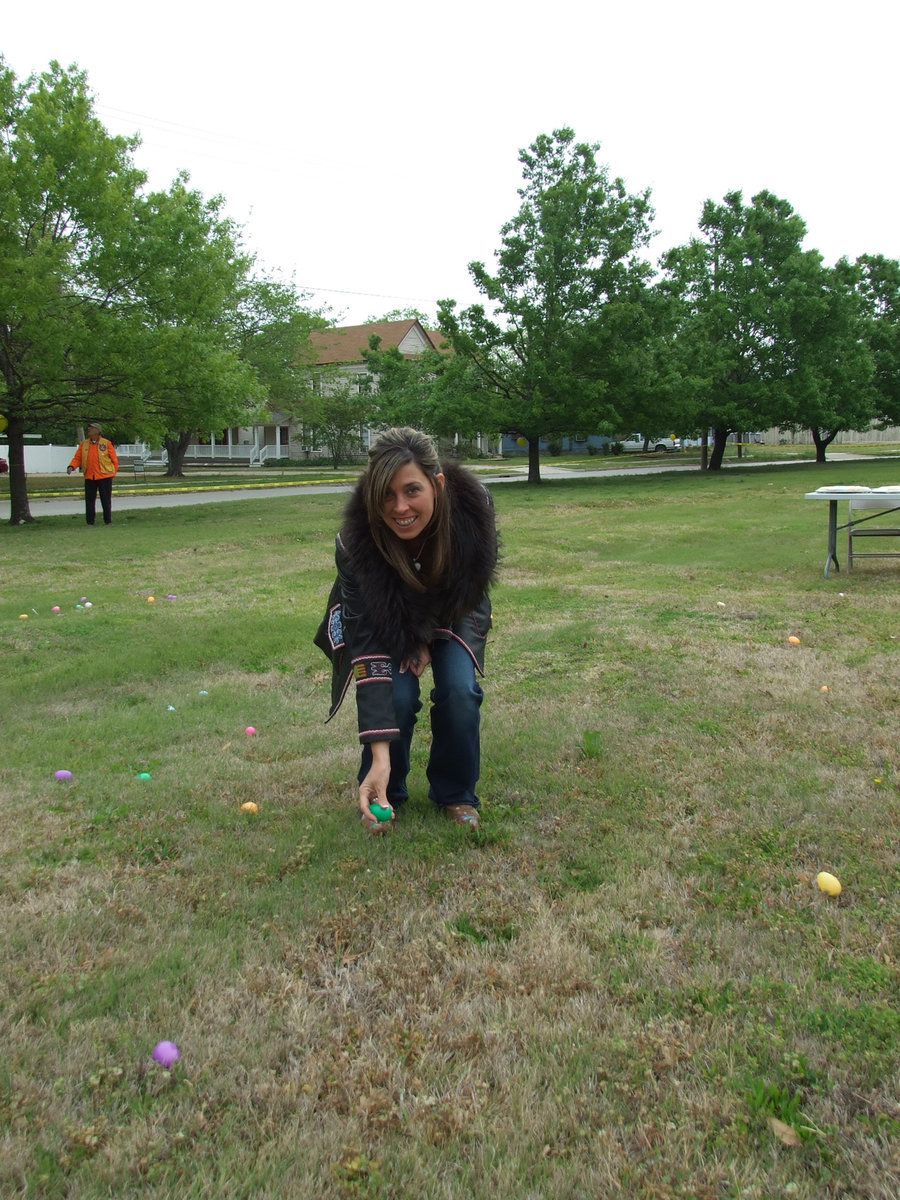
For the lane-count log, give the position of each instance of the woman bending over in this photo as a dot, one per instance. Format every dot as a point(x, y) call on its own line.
point(415, 558)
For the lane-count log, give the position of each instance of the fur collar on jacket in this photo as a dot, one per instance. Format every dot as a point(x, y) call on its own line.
point(407, 619)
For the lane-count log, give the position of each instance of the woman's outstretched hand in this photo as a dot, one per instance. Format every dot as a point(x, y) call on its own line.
point(417, 662)
point(373, 789)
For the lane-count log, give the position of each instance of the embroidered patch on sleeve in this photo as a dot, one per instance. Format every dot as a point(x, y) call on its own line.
point(368, 670)
point(335, 628)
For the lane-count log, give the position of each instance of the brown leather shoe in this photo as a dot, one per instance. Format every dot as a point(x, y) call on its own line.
point(462, 814)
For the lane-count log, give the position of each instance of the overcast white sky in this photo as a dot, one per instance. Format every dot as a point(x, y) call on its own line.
point(371, 150)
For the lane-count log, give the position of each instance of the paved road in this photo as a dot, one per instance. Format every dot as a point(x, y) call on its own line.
point(73, 505)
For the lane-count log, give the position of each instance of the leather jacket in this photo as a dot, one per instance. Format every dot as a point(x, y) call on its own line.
point(374, 620)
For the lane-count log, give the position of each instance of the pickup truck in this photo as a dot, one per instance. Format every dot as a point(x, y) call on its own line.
point(634, 444)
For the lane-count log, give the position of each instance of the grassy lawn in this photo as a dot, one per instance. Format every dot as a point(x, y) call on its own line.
point(625, 984)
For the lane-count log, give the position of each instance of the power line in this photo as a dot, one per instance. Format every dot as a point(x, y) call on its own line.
point(308, 287)
point(165, 126)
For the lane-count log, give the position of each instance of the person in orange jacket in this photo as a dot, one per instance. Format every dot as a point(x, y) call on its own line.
point(97, 460)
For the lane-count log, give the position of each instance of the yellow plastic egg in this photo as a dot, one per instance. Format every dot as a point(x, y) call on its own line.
point(830, 884)
point(250, 807)
point(795, 641)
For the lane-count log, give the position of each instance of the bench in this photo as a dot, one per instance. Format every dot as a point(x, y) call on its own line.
point(866, 509)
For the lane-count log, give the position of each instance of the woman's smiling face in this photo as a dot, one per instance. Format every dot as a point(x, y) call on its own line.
point(409, 504)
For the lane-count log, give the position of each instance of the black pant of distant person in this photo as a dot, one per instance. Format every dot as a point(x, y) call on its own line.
point(93, 488)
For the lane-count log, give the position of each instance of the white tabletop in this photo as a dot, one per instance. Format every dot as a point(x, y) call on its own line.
point(888, 493)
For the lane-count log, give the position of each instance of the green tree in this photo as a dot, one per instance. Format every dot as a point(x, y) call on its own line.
point(438, 391)
point(725, 280)
point(878, 287)
point(334, 410)
point(568, 263)
point(638, 360)
point(272, 328)
point(190, 278)
point(826, 386)
point(67, 191)
point(766, 335)
point(109, 297)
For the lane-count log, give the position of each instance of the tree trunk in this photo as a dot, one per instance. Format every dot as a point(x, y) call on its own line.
point(19, 512)
point(822, 441)
point(534, 460)
point(176, 450)
point(720, 439)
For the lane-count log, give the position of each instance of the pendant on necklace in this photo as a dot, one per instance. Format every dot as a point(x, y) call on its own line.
point(417, 564)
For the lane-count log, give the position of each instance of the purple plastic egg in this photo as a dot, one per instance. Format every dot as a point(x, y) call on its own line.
point(62, 774)
point(166, 1054)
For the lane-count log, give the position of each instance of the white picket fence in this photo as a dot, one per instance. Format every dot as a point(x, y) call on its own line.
point(53, 460)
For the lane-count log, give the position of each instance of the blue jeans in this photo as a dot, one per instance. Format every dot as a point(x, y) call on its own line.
point(454, 762)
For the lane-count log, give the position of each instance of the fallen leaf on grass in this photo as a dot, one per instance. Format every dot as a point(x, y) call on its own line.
point(785, 1133)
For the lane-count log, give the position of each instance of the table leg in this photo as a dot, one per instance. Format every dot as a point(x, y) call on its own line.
point(832, 537)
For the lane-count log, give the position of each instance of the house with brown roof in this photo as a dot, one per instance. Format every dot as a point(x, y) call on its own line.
point(337, 350)
point(344, 345)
